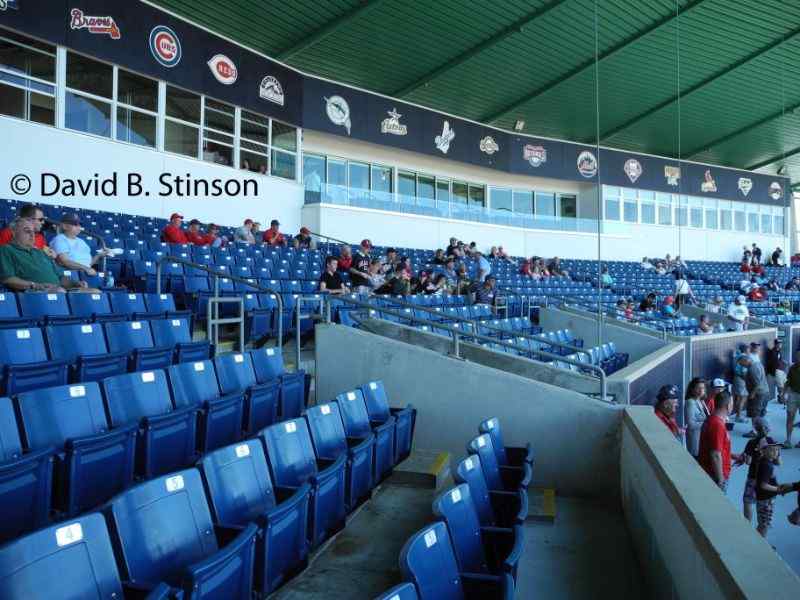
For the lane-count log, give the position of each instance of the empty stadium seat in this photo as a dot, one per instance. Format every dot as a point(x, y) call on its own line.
point(268, 365)
point(330, 442)
point(46, 307)
point(505, 455)
point(93, 462)
point(380, 412)
point(174, 333)
point(24, 363)
point(83, 347)
point(92, 307)
point(358, 425)
point(293, 463)
point(167, 436)
point(404, 591)
point(499, 477)
point(135, 338)
point(163, 532)
point(427, 559)
point(241, 492)
point(9, 313)
point(235, 374)
point(494, 507)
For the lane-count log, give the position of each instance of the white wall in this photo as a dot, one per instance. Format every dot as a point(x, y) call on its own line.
point(32, 149)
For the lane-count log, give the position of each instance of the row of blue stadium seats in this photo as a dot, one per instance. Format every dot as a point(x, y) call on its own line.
point(242, 521)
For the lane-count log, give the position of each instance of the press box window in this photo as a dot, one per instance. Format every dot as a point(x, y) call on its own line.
point(284, 150)
point(218, 131)
point(27, 79)
point(137, 109)
point(254, 144)
point(182, 124)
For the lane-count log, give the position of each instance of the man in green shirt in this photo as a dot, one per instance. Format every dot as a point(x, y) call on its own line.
point(23, 267)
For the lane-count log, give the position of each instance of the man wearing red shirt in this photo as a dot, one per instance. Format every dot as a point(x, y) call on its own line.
point(715, 443)
point(172, 233)
point(195, 236)
point(666, 404)
point(34, 214)
point(273, 236)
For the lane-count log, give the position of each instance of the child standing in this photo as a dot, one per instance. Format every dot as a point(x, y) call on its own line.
point(767, 486)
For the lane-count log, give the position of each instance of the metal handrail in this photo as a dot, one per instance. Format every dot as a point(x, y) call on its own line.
point(221, 274)
point(471, 336)
point(327, 237)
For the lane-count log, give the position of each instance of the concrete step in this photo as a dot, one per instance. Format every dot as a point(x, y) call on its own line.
point(541, 505)
point(427, 469)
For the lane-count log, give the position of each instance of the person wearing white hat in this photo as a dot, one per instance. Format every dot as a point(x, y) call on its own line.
point(738, 315)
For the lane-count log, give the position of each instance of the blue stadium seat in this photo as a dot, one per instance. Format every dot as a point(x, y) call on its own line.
point(46, 307)
point(330, 442)
point(404, 591)
point(9, 313)
point(358, 426)
point(293, 463)
point(136, 339)
point(195, 384)
point(505, 455)
point(241, 492)
point(92, 307)
point(499, 477)
point(174, 333)
point(165, 304)
point(494, 507)
point(162, 531)
point(93, 462)
point(83, 346)
point(73, 559)
point(235, 374)
point(24, 363)
point(25, 480)
point(167, 436)
point(268, 365)
point(427, 559)
point(380, 412)
point(130, 305)
point(478, 549)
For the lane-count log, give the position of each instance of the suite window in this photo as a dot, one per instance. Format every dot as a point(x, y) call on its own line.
point(182, 124)
point(664, 209)
point(219, 123)
point(611, 202)
point(630, 208)
point(477, 195)
point(313, 176)
point(545, 204)
point(710, 206)
point(90, 90)
point(682, 212)
point(27, 79)
point(766, 223)
point(777, 222)
point(569, 206)
point(137, 109)
point(523, 202)
point(284, 150)
point(381, 179)
point(254, 147)
point(359, 175)
point(739, 220)
point(426, 190)
point(442, 191)
point(501, 199)
point(459, 195)
point(725, 218)
point(696, 213)
point(648, 207)
point(752, 218)
point(407, 186)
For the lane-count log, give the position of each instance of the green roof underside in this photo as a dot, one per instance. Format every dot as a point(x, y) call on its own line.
point(714, 81)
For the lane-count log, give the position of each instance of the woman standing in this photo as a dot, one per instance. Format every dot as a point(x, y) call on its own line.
point(695, 414)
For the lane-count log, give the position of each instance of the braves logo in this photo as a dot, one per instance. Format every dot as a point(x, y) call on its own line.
point(98, 25)
point(223, 69)
point(165, 46)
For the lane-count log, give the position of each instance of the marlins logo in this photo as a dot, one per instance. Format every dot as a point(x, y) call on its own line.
point(4, 4)
point(535, 155)
point(488, 145)
point(443, 140)
point(271, 90)
point(633, 169)
point(745, 185)
point(587, 164)
point(100, 25)
point(673, 175)
point(392, 124)
point(165, 46)
point(223, 69)
point(775, 190)
point(338, 111)
point(708, 185)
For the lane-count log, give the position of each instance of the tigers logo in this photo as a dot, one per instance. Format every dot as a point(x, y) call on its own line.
point(5, 4)
point(99, 25)
point(165, 46)
point(223, 69)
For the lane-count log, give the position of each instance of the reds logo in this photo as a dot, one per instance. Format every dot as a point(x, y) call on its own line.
point(165, 46)
point(100, 25)
point(223, 69)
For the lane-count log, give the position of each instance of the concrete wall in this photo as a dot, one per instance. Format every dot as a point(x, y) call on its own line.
point(693, 542)
point(453, 396)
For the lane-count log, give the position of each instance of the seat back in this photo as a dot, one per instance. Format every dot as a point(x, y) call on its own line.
point(169, 332)
point(354, 414)
point(470, 472)
point(238, 483)
point(455, 507)
point(43, 304)
point(126, 303)
point(267, 363)
point(404, 591)
point(491, 427)
point(8, 305)
point(86, 305)
point(193, 383)
point(234, 372)
point(133, 396)
point(327, 431)
point(52, 416)
point(73, 559)
point(376, 401)
point(162, 526)
point(428, 561)
point(10, 443)
point(289, 452)
point(159, 302)
point(68, 342)
point(21, 346)
point(126, 336)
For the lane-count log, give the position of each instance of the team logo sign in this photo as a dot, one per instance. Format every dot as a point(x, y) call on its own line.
point(745, 185)
point(165, 46)
point(587, 164)
point(338, 112)
point(99, 25)
point(392, 124)
point(672, 175)
point(535, 155)
point(5, 4)
point(223, 69)
point(443, 140)
point(775, 190)
point(488, 145)
point(708, 185)
point(271, 90)
point(633, 169)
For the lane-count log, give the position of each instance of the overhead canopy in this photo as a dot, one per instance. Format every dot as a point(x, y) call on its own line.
point(707, 80)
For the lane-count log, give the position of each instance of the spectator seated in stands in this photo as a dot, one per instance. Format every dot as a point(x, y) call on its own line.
point(738, 315)
point(23, 267)
point(485, 293)
point(345, 258)
point(375, 274)
point(793, 285)
point(554, 268)
point(745, 266)
point(330, 281)
point(776, 260)
point(772, 286)
point(484, 268)
point(716, 305)
point(450, 272)
point(198, 238)
point(501, 254)
point(756, 269)
point(606, 280)
point(784, 307)
point(360, 267)
point(304, 240)
point(36, 216)
point(453, 249)
point(172, 233)
point(463, 282)
point(757, 294)
point(471, 249)
point(668, 308)
point(439, 258)
point(629, 309)
point(273, 235)
point(398, 285)
point(390, 262)
point(795, 260)
point(244, 234)
point(648, 303)
point(646, 264)
point(745, 285)
point(661, 268)
point(704, 327)
point(72, 252)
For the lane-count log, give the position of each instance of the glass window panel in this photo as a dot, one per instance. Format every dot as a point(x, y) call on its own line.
point(682, 216)
point(12, 101)
point(252, 146)
point(359, 175)
point(89, 75)
point(43, 109)
point(27, 62)
point(629, 194)
point(725, 220)
point(257, 162)
point(219, 117)
point(609, 190)
point(337, 172)
point(407, 184)
point(502, 199)
point(664, 214)
point(257, 132)
point(777, 223)
point(752, 222)
point(313, 176)
point(136, 127)
point(477, 195)
point(284, 165)
point(546, 204)
point(443, 191)
point(381, 179)
point(137, 91)
point(630, 212)
point(459, 192)
point(739, 220)
point(711, 218)
point(612, 209)
point(180, 138)
point(426, 187)
point(648, 213)
point(523, 202)
point(220, 154)
point(569, 206)
point(766, 223)
point(696, 216)
point(256, 118)
point(183, 105)
point(645, 195)
point(284, 136)
point(88, 115)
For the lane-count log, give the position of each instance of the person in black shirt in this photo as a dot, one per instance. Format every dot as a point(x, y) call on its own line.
point(756, 254)
point(452, 249)
point(776, 257)
point(750, 456)
point(485, 293)
point(439, 258)
point(767, 486)
point(648, 302)
point(331, 281)
point(359, 270)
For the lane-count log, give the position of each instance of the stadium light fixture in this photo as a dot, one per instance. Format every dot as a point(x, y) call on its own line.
point(519, 125)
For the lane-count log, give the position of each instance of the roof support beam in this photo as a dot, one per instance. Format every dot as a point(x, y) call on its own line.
point(499, 37)
point(365, 7)
point(699, 85)
point(772, 161)
point(497, 115)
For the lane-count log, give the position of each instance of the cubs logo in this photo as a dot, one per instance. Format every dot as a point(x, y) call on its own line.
point(5, 4)
point(223, 69)
point(745, 185)
point(633, 169)
point(98, 25)
point(708, 185)
point(271, 90)
point(775, 190)
point(488, 145)
point(535, 155)
point(165, 46)
point(587, 164)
